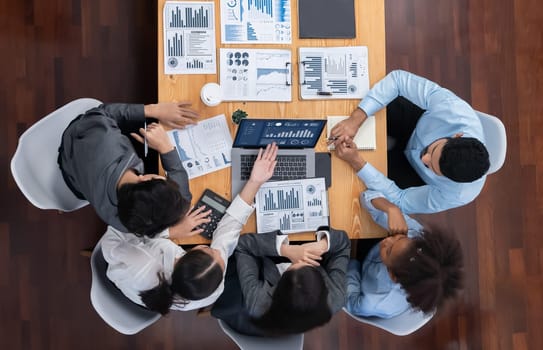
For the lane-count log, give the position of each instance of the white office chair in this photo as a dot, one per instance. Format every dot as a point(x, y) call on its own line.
point(111, 304)
point(247, 342)
point(496, 140)
point(405, 323)
point(34, 165)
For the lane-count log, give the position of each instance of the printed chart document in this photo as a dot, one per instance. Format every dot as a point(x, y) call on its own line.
point(189, 37)
point(256, 75)
point(204, 147)
point(292, 206)
point(256, 22)
point(364, 138)
point(334, 72)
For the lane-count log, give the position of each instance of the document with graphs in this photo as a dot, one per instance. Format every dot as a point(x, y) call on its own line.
point(189, 37)
point(292, 206)
point(204, 147)
point(256, 22)
point(255, 74)
point(333, 72)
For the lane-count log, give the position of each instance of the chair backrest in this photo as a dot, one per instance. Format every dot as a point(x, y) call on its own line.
point(247, 342)
point(34, 164)
point(111, 304)
point(405, 323)
point(495, 139)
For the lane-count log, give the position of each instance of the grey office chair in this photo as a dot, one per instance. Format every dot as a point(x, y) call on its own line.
point(34, 164)
point(405, 323)
point(110, 303)
point(247, 342)
point(495, 139)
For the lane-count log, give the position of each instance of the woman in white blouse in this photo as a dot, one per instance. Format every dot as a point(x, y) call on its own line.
point(160, 275)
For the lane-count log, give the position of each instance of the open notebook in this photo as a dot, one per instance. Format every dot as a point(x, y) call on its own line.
point(364, 138)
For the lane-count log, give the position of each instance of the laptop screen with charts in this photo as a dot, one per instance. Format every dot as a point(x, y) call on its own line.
point(296, 139)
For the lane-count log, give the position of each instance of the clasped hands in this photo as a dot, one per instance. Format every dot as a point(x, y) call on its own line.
point(308, 253)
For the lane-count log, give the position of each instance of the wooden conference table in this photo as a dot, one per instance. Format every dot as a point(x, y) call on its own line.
point(344, 203)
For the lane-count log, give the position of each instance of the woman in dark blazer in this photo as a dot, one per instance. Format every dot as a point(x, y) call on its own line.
point(274, 288)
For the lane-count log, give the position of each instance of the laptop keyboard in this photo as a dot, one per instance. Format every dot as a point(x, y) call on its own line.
point(288, 167)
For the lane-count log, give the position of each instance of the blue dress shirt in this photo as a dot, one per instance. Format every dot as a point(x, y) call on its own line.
point(370, 291)
point(446, 115)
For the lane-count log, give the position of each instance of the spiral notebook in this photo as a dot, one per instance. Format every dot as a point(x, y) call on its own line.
point(364, 138)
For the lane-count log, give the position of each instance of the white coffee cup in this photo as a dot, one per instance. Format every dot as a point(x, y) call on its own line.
point(211, 94)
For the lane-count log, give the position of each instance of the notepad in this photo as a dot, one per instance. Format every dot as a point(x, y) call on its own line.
point(364, 138)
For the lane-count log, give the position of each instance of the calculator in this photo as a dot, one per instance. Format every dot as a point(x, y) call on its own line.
point(218, 206)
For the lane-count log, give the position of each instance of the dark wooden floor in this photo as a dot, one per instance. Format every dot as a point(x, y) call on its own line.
point(488, 52)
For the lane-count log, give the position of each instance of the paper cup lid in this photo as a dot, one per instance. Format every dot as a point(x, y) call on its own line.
point(211, 94)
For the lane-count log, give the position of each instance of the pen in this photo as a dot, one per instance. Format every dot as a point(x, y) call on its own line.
point(333, 138)
point(324, 93)
point(145, 146)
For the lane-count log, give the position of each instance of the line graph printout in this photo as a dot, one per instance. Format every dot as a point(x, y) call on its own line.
point(292, 206)
point(189, 38)
point(334, 72)
point(204, 147)
point(256, 21)
point(256, 75)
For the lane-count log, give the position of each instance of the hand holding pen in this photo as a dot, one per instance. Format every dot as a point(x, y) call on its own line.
point(348, 127)
point(155, 136)
point(347, 150)
point(145, 145)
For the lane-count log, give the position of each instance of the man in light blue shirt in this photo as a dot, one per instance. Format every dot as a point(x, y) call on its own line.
point(445, 146)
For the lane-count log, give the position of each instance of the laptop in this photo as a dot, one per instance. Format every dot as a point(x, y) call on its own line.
point(296, 139)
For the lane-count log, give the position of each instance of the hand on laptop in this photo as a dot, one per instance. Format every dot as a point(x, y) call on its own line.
point(175, 115)
point(262, 172)
point(264, 164)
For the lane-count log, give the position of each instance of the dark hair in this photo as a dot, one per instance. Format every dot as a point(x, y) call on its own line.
point(429, 270)
point(195, 276)
point(464, 159)
point(149, 207)
point(299, 303)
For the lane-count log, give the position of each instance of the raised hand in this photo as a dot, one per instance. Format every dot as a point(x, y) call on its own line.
point(264, 164)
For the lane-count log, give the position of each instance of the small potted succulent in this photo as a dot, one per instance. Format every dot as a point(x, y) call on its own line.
point(238, 115)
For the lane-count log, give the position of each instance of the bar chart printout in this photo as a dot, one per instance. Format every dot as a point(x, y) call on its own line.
point(256, 21)
point(292, 206)
point(189, 38)
point(338, 72)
